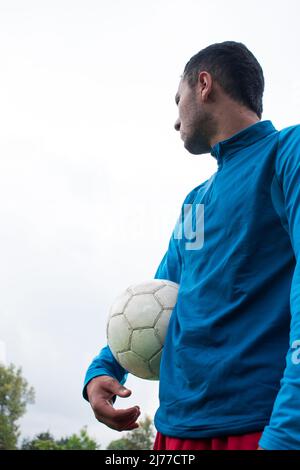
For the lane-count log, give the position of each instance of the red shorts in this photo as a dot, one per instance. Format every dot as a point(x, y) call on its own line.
point(239, 442)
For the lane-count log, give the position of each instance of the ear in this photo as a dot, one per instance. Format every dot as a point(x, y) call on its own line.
point(205, 83)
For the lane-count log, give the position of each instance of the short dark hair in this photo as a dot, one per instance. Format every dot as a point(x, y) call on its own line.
point(236, 70)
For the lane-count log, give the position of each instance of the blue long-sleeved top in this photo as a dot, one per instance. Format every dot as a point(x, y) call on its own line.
point(231, 359)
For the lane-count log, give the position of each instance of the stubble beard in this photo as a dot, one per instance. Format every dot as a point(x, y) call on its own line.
point(205, 128)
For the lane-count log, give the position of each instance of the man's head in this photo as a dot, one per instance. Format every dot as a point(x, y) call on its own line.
point(219, 83)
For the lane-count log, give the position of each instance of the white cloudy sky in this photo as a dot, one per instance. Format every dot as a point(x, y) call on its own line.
point(92, 173)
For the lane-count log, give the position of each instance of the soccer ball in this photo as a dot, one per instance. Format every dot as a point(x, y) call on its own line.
point(137, 326)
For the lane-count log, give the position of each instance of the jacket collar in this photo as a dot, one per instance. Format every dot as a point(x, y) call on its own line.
point(223, 150)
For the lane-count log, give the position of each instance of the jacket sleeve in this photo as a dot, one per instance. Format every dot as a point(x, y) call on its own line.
point(283, 431)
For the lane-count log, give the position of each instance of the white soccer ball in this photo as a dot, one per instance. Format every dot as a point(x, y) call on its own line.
point(137, 326)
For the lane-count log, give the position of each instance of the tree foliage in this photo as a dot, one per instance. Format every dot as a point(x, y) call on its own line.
point(45, 441)
point(42, 441)
point(78, 442)
point(15, 395)
point(141, 438)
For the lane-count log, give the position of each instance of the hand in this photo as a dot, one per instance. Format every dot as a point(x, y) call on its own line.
point(260, 448)
point(101, 391)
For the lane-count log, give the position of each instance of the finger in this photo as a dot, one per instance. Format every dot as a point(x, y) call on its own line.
point(134, 421)
point(113, 386)
point(131, 427)
point(124, 420)
point(126, 415)
point(121, 391)
point(125, 425)
point(121, 428)
point(104, 410)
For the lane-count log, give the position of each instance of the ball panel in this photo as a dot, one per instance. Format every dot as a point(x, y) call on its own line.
point(118, 334)
point(162, 323)
point(170, 283)
point(120, 303)
point(142, 311)
point(154, 364)
point(147, 287)
point(135, 364)
point(167, 296)
point(145, 343)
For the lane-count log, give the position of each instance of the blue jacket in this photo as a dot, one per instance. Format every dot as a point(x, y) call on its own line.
point(231, 359)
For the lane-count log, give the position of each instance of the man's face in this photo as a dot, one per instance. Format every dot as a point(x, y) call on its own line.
point(195, 124)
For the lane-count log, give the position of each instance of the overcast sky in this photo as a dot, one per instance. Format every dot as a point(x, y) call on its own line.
point(92, 173)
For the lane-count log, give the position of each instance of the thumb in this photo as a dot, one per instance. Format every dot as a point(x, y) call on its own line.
point(121, 391)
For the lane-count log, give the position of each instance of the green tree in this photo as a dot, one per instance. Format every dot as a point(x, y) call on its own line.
point(15, 394)
point(79, 442)
point(141, 438)
point(45, 441)
point(42, 441)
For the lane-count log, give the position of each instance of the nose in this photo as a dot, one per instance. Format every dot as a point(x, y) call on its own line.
point(177, 125)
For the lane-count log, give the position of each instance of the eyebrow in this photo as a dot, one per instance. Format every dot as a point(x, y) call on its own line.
point(177, 97)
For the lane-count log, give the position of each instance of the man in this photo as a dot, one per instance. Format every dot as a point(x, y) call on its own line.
point(230, 370)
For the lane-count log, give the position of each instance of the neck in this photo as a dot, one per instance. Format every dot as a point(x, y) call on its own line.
point(230, 124)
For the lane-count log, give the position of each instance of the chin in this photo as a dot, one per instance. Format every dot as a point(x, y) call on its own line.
point(195, 148)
